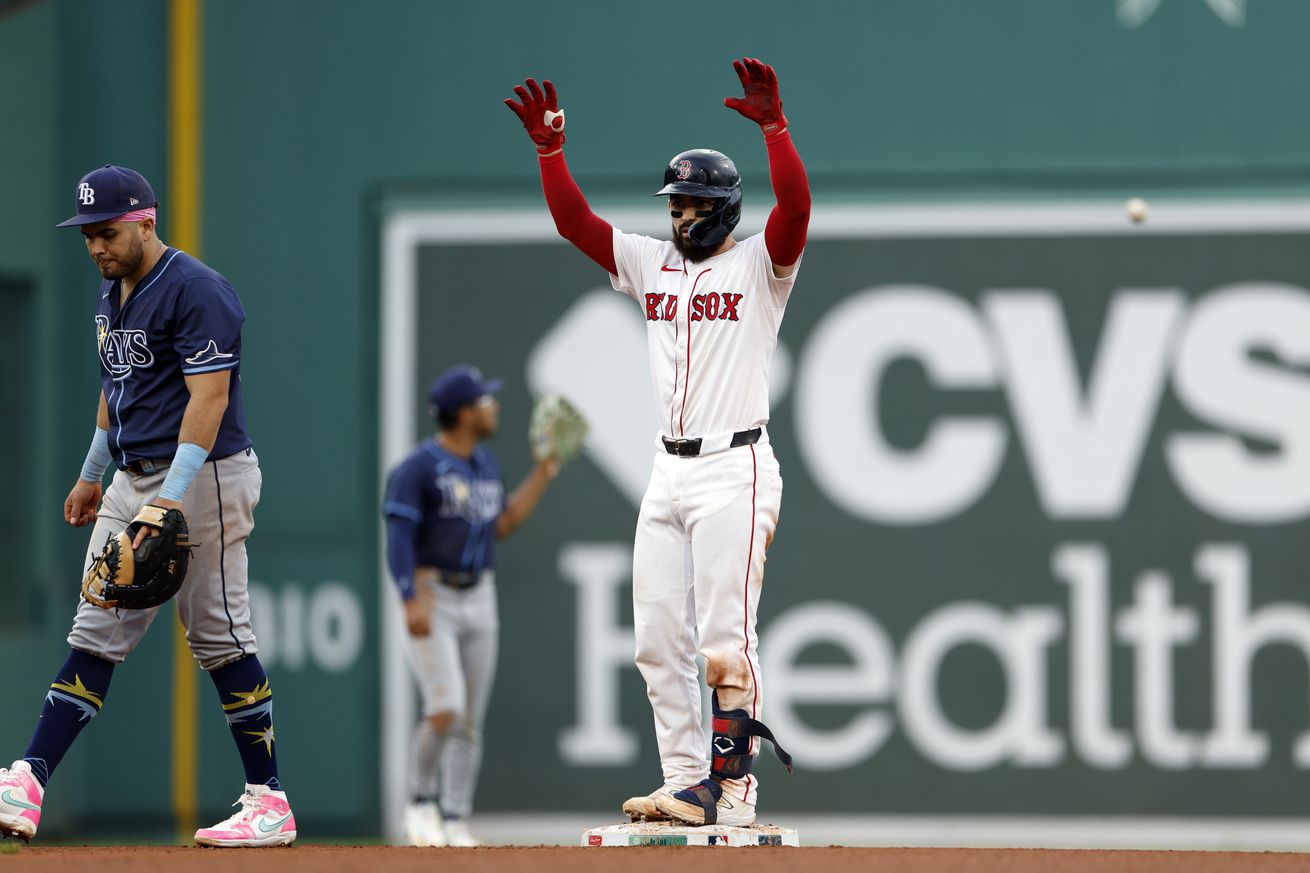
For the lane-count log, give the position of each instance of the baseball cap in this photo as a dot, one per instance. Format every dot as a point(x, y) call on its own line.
point(459, 386)
point(107, 193)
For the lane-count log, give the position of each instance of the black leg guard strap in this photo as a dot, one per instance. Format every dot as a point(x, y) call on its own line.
point(733, 732)
point(705, 793)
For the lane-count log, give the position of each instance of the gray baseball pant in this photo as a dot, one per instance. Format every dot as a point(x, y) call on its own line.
point(214, 602)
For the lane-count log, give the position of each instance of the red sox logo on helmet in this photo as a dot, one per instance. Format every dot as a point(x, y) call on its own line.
point(684, 169)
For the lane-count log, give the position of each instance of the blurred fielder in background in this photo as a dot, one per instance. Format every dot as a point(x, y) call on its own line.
point(445, 507)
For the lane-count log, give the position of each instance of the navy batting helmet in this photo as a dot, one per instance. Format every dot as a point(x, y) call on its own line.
point(710, 174)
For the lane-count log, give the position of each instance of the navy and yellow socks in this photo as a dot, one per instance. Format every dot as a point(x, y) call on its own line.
point(74, 698)
point(248, 705)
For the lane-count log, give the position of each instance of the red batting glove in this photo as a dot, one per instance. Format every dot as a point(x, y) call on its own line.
point(761, 103)
point(541, 115)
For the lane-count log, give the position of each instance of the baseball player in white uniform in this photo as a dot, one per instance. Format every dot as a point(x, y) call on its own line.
point(713, 305)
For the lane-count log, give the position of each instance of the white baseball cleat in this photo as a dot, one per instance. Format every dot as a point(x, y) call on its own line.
point(20, 801)
point(457, 834)
point(423, 825)
point(707, 803)
point(644, 809)
point(264, 819)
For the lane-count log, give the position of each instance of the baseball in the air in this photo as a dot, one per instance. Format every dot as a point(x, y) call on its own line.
point(1137, 209)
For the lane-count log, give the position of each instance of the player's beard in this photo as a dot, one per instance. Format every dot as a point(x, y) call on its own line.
point(128, 264)
point(688, 249)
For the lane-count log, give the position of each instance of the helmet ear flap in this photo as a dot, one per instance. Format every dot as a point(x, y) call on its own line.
point(732, 210)
point(714, 228)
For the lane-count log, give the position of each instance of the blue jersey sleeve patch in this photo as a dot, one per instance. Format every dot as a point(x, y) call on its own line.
point(207, 336)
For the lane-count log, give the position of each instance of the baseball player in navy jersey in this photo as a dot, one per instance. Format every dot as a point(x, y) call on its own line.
point(713, 305)
point(170, 420)
point(445, 507)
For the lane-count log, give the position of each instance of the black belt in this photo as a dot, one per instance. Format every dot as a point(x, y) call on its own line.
point(459, 578)
point(150, 466)
point(691, 448)
point(147, 466)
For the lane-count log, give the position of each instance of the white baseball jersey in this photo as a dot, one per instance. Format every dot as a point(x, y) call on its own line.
point(711, 330)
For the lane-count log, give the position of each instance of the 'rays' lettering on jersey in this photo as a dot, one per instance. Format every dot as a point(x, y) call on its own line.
point(454, 503)
point(121, 350)
point(183, 319)
point(476, 501)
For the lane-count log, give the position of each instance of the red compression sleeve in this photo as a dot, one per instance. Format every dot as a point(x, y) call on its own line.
point(591, 234)
point(784, 234)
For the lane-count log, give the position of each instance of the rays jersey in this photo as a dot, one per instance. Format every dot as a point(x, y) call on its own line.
point(455, 503)
point(182, 319)
point(711, 330)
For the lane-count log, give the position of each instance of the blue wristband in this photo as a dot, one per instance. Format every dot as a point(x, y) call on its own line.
point(97, 457)
point(186, 463)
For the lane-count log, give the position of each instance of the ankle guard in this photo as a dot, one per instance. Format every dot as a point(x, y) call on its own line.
point(730, 746)
point(706, 793)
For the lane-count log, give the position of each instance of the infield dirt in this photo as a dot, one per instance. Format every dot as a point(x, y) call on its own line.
point(371, 859)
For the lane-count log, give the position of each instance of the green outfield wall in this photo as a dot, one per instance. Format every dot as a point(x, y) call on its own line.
point(1043, 540)
point(1041, 548)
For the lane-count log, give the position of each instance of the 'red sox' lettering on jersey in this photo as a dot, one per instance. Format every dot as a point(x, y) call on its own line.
point(715, 380)
point(719, 306)
point(661, 307)
point(707, 307)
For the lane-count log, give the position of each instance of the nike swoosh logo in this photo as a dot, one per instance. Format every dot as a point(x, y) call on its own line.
point(8, 797)
point(277, 824)
point(670, 269)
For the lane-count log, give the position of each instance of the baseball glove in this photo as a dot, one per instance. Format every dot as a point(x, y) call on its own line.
point(141, 578)
point(557, 429)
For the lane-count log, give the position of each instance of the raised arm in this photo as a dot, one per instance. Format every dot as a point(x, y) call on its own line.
point(784, 234)
point(523, 501)
point(544, 121)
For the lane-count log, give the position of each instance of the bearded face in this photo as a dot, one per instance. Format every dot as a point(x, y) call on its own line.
point(117, 247)
point(686, 211)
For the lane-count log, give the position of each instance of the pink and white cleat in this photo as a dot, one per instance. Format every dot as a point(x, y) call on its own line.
point(264, 819)
point(20, 801)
